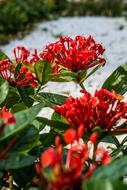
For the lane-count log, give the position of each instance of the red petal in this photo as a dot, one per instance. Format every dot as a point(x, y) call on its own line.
point(48, 157)
point(70, 136)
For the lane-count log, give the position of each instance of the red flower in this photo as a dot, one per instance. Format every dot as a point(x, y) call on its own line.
point(7, 116)
point(102, 156)
point(68, 173)
point(70, 135)
point(24, 77)
point(48, 158)
point(105, 109)
point(94, 137)
point(21, 55)
point(75, 54)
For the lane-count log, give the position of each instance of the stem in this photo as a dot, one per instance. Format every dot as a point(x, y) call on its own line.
point(93, 71)
point(82, 86)
point(11, 183)
point(116, 141)
point(39, 88)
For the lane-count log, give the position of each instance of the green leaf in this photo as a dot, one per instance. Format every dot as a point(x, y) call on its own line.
point(117, 80)
point(48, 139)
point(12, 97)
point(28, 140)
point(64, 76)
point(25, 92)
point(3, 55)
point(104, 185)
point(53, 98)
point(114, 170)
point(42, 100)
point(18, 107)
point(109, 139)
point(62, 79)
point(23, 176)
point(42, 71)
point(57, 117)
point(30, 67)
point(116, 152)
point(124, 140)
point(4, 88)
point(18, 160)
point(58, 126)
point(82, 75)
point(23, 119)
point(65, 73)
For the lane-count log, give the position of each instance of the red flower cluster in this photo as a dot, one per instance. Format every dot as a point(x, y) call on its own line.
point(22, 55)
point(75, 54)
point(24, 77)
point(70, 174)
point(8, 118)
point(105, 109)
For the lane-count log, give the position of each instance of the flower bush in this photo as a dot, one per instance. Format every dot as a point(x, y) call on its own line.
point(72, 155)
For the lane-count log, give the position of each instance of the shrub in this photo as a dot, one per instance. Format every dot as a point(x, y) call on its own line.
point(17, 16)
point(70, 156)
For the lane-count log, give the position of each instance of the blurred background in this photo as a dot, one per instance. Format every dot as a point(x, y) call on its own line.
point(34, 23)
point(18, 16)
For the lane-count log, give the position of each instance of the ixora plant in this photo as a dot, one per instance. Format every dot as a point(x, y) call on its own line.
point(72, 155)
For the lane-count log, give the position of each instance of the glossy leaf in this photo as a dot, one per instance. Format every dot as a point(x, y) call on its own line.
point(3, 55)
point(42, 71)
point(18, 107)
point(23, 176)
point(42, 100)
point(13, 97)
point(25, 92)
point(53, 98)
point(57, 117)
point(28, 140)
point(23, 119)
point(48, 139)
point(104, 185)
point(117, 80)
point(114, 170)
point(109, 139)
point(58, 126)
point(4, 89)
point(18, 160)
point(64, 76)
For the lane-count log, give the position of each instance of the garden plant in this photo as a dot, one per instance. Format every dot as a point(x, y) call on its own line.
point(83, 150)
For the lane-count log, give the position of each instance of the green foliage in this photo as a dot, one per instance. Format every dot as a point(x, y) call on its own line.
point(23, 141)
point(104, 185)
point(42, 71)
point(100, 7)
point(117, 80)
point(53, 98)
point(18, 16)
point(4, 88)
point(23, 119)
point(115, 170)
